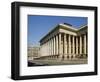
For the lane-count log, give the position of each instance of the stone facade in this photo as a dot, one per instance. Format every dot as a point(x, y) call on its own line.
point(64, 42)
point(33, 52)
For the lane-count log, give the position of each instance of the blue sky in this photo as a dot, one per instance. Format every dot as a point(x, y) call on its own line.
point(39, 25)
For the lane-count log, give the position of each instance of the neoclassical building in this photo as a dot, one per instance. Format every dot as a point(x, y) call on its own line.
point(64, 42)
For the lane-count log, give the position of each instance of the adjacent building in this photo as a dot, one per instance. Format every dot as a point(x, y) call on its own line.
point(33, 52)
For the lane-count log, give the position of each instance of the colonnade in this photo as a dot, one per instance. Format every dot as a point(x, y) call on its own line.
point(64, 46)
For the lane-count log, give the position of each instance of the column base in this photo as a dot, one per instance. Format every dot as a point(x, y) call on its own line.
point(70, 56)
point(60, 57)
point(65, 57)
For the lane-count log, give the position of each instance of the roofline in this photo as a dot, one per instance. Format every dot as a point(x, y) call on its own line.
point(83, 26)
point(69, 27)
point(57, 26)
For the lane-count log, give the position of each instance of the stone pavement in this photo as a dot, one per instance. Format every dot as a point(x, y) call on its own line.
point(58, 62)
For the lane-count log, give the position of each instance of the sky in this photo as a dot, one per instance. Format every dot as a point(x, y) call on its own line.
point(39, 25)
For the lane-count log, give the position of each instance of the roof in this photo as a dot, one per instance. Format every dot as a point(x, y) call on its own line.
point(65, 26)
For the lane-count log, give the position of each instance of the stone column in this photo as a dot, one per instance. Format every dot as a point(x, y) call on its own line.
point(41, 50)
point(76, 45)
point(60, 55)
point(52, 46)
point(56, 44)
point(73, 41)
point(84, 44)
point(80, 44)
point(65, 47)
point(69, 44)
point(69, 41)
point(49, 46)
point(45, 48)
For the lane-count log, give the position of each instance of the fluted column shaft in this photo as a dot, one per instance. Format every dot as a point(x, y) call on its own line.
point(65, 44)
point(51, 46)
point(76, 45)
point(69, 41)
point(57, 44)
point(54, 45)
point(60, 54)
point(80, 44)
point(73, 44)
point(84, 44)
